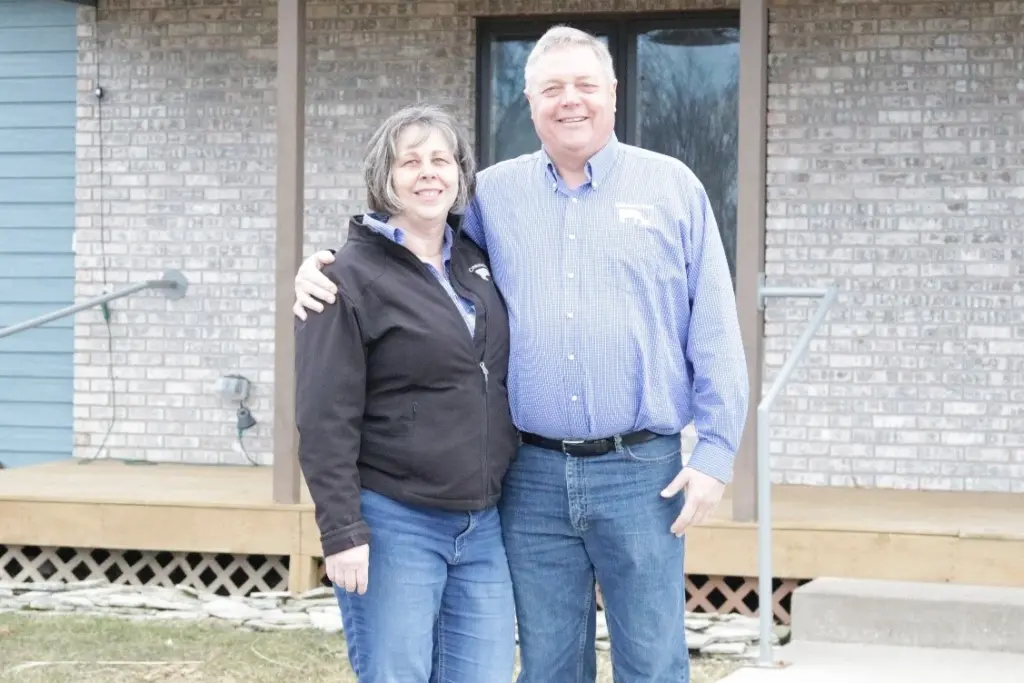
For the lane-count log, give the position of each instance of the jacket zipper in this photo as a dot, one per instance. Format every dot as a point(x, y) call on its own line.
point(425, 270)
point(485, 450)
point(487, 433)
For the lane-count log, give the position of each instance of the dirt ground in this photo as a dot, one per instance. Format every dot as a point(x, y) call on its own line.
point(68, 649)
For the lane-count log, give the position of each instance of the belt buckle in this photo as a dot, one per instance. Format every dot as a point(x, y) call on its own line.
point(571, 442)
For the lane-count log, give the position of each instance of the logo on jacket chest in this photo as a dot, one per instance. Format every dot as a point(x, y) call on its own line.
point(481, 271)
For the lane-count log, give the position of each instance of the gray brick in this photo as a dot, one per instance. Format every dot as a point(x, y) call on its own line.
point(914, 84)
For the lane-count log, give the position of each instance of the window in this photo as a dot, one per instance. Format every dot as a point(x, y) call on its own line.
point(678, 88)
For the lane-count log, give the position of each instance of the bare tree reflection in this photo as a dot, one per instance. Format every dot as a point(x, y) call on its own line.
point(688, 99)
point(512, 131)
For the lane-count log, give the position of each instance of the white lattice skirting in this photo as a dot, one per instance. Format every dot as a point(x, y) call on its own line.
point(218, 573)
point(226, 574)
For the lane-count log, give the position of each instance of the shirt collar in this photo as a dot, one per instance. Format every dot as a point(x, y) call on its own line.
point(378, 222)
point(598, 166)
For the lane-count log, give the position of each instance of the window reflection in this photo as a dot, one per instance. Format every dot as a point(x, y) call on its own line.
point(683, 100)
point(687, 107)
point(511, 129)
point(511, 132)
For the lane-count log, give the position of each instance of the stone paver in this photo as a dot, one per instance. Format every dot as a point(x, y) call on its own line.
point(707, 634)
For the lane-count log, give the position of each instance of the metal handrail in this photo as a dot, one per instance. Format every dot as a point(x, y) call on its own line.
point(765, 596)
point(172, 283)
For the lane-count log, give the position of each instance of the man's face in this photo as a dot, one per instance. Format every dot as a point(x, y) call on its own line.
point(572, 101)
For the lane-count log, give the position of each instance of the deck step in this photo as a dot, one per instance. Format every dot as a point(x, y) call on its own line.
point(808, 662)
point(910, 614)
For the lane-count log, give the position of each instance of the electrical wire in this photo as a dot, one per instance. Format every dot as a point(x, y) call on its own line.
point(241, 437)
point(101, 168)
point(245, 451)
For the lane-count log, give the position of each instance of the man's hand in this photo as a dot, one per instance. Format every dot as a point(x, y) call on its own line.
point(703, 494)
point(350, 569)
point(311, 284)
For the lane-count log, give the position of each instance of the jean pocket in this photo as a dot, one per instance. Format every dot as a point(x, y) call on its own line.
point(655, 450)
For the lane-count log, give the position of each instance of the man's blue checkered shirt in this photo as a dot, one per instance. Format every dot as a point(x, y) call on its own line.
point(620, 302)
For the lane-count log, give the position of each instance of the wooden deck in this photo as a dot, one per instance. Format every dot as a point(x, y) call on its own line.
point(912, 535)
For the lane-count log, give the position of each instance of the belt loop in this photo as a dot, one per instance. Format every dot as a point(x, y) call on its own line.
point(618, 443)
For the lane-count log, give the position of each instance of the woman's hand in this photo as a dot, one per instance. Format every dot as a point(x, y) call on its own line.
point(350, 569)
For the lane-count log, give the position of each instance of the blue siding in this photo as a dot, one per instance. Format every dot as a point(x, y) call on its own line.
point(38, 57)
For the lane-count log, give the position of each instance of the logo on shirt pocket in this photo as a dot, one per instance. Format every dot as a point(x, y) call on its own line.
point(481, 271)
point(635, 214)
point(637, 235)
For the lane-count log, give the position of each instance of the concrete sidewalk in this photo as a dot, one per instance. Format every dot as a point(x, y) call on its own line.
point(810, 662)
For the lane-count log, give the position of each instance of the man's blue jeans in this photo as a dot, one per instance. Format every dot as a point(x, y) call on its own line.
point(439, 605)
point(568, 519)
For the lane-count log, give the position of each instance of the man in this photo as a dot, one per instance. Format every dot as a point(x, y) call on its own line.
point(623, 331)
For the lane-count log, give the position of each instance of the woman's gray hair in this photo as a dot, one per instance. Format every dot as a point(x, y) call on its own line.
point(382, 152)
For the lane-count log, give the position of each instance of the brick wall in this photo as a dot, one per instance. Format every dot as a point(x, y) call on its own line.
point(188, 178)
point(188, 142)
point(896, 168)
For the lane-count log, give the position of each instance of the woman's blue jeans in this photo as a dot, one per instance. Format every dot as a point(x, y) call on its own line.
point(439, 606)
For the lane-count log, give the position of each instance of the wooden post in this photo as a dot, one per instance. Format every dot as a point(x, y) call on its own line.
point(751, 209)
point(303, 573)
point(291, 130)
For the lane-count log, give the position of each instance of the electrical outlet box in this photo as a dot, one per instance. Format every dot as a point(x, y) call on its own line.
point(234, 388)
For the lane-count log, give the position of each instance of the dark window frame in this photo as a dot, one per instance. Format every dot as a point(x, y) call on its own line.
point(623, 31)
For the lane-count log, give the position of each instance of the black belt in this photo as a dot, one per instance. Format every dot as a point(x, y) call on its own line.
point(592, 447)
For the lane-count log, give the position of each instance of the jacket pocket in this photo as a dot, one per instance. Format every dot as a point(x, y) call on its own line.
point(388, 443)
point(399, 423)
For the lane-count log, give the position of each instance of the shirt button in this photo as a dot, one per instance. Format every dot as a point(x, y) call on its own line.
point(575, 398)
point(574, 200)
point(570, 275)
point(568, 315)
point(572, 356)
point(572, 237)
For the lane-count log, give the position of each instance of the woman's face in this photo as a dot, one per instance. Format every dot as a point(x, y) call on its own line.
point(425, 175)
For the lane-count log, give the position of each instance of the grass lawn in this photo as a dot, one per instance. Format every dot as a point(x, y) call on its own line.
point(109, 650)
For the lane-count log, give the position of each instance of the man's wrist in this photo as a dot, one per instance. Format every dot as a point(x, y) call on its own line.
point(712, 460)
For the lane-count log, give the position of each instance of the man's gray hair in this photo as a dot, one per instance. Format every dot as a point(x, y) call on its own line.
point(382, 152)
point(558, 37)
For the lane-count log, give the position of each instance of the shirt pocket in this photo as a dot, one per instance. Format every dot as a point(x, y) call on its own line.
point(634, 246)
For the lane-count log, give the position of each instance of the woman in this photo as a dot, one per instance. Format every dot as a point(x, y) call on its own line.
point(404, 424)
